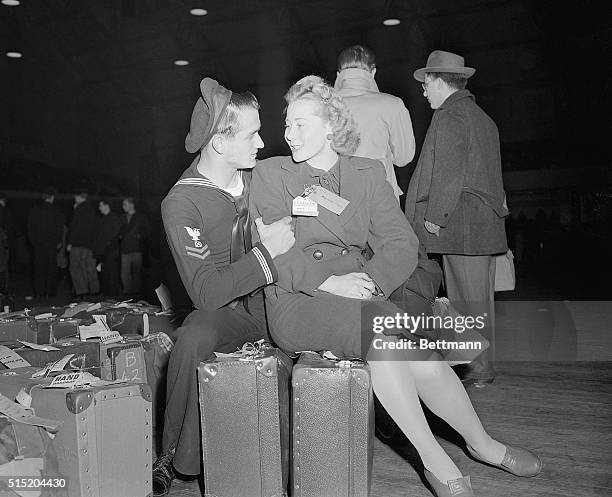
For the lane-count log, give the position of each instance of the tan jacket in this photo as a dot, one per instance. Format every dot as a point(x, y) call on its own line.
point(384, 123)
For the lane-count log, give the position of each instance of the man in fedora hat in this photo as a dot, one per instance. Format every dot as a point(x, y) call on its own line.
point(456, 200)
point(207, 224)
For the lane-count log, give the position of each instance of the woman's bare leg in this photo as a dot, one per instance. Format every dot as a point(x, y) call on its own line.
point(397, 391)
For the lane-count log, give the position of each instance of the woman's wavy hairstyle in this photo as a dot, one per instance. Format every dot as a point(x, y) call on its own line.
point(345, 137)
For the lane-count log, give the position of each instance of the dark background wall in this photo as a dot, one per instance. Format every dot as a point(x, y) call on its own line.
point(97, 101)
point(96, 91)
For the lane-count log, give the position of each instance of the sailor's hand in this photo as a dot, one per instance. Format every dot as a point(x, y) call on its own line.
point(277, 237)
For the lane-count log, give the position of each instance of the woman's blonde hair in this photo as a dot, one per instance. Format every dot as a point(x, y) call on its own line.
point(345, 137)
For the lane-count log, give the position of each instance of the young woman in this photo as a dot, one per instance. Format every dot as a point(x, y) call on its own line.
point(329, 289)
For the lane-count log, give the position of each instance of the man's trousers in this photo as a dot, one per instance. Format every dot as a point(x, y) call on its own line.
point(45, 269)
point(83, 271)
point(202, 333)
point(470, 286)
point(131, 272)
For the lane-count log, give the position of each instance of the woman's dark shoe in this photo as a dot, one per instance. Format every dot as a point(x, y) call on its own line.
point(163, 474)
point(517, 460)
point(461, 487)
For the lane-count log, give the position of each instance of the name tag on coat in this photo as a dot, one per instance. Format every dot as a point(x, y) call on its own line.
point(304, 206)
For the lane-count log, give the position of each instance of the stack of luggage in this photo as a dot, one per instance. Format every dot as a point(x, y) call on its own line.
point(95, 374)
point(250, 442)
point(87, 382)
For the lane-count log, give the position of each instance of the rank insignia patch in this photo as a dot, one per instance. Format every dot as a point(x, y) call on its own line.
point(199, 250)
point(194, 233)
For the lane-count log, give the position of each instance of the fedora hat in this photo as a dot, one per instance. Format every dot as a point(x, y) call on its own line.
point(441, 61)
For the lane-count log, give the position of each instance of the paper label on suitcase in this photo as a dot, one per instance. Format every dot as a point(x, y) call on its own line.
point(35, 346)
point(125, 362)
point(11, 359)
point(110, 337)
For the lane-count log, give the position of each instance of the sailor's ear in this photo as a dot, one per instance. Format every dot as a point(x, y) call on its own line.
point(218, 144)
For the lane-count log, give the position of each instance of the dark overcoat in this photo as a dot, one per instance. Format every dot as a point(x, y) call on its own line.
point(457, 183)
point(299, 316)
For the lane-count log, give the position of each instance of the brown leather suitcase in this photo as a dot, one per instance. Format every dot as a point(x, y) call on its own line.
point(333, 423)
point(244, 407)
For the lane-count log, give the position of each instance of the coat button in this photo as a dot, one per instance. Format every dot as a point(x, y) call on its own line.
point(317, 254)
point(344, 251)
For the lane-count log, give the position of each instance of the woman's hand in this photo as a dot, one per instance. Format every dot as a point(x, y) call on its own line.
point(351, 285)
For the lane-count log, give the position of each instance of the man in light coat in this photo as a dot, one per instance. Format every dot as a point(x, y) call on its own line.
point(456, 200)
point(384, 123)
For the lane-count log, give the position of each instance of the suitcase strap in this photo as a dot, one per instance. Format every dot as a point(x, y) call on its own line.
point(18, 413)
point(250, 350)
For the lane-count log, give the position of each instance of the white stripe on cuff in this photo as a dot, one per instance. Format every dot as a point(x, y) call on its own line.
point(264, 265)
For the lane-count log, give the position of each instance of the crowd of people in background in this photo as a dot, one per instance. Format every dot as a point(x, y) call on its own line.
point(99, 246)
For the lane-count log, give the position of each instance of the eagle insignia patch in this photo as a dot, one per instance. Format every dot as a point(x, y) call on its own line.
point(199, 250)
point(194, 233)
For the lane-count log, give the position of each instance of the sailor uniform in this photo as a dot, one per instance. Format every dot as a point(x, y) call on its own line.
point(208, 231)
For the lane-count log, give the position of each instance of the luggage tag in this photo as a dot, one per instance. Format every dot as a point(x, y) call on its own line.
point(24, 398)
point(111, 336)
point(21, 414)
point(303, 205)
point(75, 380)
point(329, 200)
point(11, 359)
point(145, 324)
point(53, 367)
point(35, 346)
point(44, 316)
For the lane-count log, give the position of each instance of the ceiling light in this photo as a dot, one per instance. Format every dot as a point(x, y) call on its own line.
point(198, 12)
point(14, 55)
point(181, 62)
point(10, 3)
point(391, 21)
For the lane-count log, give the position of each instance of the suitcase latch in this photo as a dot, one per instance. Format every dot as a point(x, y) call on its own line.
point(266, 366)
point(209, 372)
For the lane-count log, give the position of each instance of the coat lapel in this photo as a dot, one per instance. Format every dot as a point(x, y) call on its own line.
point(295, 181)
point(352, 188)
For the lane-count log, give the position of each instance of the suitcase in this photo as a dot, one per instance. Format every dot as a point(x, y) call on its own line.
point(244, 408)
point(86, 355)
point(27, 449)
point(123, 361)
point(50, 330)
point(17, 328)
point(133, 321)
point(104, 444)
point(157, 348)
point(333, 423)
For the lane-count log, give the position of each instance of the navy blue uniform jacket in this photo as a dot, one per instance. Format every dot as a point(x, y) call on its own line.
point(198, 218)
